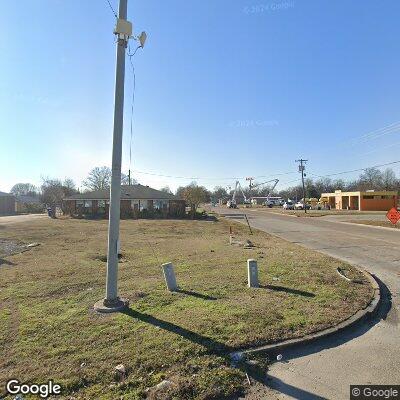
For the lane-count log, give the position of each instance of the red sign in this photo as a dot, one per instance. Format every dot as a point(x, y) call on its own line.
point(393, 216)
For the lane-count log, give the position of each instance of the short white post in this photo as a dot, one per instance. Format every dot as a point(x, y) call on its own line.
point(169, 275)
point(119, 248)
point(252, 273)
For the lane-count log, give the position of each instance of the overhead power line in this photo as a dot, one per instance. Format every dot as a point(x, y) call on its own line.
point(356, 170)
point(389, 129)
point(112, 9)
point(380, 149)
point(208, 178)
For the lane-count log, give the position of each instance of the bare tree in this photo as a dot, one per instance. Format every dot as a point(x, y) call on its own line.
point(219, 192)
point(99, 178)
point(24, 189)
point(370, 179)
point(166, 189)
point(389, 180)
point(69, 186)
point(194, 196)
point(54, 191)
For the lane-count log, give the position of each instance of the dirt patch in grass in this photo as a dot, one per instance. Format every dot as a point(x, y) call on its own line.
point(9, 247)
point(386, 224)
point(50, 330)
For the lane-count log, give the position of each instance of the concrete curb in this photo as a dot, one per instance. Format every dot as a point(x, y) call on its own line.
point(385, 228)
point(358, 317)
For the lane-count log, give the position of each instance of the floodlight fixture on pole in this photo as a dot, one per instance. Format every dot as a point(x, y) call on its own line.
point(142, 39)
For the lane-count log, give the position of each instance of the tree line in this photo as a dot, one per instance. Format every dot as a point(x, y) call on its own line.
point(371, 178)
point(52, 191)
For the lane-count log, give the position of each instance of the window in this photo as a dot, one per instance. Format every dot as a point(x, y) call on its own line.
point(160, 204)
point(101, 207)
point(88, 203)
point(368, 197)
point(135, 205)
point(79, 203)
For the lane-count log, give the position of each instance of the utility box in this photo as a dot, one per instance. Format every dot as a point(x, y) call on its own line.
point(169, 275)
point(252, 273)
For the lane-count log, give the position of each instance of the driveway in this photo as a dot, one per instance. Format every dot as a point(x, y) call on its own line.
point(15, 219)
point(369, 354)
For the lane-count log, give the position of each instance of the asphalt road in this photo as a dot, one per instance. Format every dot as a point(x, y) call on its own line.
point(368, 354)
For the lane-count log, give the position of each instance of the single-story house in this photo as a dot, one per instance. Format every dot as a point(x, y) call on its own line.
point(136, 201)
point(369, 200)
point(7, 203)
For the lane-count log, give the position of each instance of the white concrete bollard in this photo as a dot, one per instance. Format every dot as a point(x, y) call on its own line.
point(119, 248)
point(169, 275)
point(252, 273)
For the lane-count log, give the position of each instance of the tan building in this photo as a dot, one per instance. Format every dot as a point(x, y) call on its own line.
point(369, 200)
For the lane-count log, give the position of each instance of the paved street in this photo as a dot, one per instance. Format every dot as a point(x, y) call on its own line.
point(369, 354)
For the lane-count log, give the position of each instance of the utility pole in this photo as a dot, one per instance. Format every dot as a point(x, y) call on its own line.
point(250, 179)
point(112, 303)
point(302, 168)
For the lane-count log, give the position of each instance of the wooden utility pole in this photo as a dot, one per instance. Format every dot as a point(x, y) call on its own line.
point(302, 168)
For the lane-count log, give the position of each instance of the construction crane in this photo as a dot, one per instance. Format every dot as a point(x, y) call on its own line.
point(270, 191)
point(232, 203)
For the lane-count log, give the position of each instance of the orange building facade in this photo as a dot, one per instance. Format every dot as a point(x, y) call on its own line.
point(369, 200)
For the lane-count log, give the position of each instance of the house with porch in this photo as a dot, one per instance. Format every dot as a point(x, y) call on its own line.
point(136, 201)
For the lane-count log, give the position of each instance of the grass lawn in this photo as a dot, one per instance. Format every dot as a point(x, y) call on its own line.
point(50, 331)
point(386, 224)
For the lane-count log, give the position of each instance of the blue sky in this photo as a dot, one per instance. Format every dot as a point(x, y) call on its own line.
point(223, 88)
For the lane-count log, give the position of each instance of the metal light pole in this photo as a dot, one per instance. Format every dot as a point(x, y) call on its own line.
point(112, 302)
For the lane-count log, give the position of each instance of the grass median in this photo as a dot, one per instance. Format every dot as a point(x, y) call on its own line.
point(50, 331)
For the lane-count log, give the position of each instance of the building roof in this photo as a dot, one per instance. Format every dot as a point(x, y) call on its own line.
point(133, 192)
point(28, 199)
point(361, 192)
point(3, 194)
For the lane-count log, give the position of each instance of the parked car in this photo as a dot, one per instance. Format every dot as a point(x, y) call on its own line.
point(300, 206)
point(274, 201)
point(231, 204)
point(269, 203)
point(288, 205)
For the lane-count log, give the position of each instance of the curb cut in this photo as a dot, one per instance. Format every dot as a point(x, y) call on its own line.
point(358, 317)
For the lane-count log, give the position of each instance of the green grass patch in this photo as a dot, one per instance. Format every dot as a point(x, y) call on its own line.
point(51, 332)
